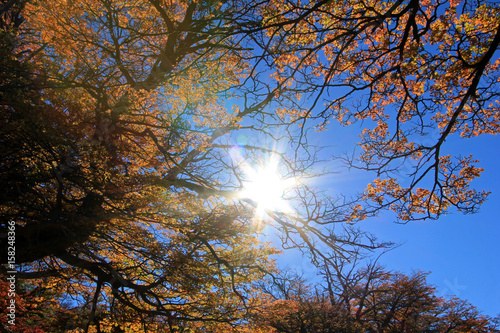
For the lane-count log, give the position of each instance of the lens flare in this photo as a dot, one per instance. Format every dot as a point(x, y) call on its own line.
point(266, 188)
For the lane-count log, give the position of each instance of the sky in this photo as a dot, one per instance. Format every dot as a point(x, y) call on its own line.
point(460, 251)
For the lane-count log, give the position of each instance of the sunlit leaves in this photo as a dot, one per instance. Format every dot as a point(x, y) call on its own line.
point(368, 299)
point(407, 70)
point(118, 165)
point(117, 149)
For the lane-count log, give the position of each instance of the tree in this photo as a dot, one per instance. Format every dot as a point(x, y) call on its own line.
point(369, 299)
point(412, 72)
point(120, 170)
point(37, 308)
point(109, 169)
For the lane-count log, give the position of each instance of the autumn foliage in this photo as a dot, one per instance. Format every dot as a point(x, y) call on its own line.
point(370, 299)
point(121, 167)
point(106, 158)
point(413, 72)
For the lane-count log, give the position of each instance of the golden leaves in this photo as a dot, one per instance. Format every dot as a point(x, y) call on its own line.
point(457, 184)
point(407, 68)
point(141, 105)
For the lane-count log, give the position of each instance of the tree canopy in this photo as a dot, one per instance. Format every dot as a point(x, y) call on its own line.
point(351, 299)
point(131, 130)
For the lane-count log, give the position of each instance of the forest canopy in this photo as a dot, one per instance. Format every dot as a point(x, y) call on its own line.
point(149, 146)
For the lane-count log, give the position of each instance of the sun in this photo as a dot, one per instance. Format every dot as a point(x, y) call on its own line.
point(267, 188)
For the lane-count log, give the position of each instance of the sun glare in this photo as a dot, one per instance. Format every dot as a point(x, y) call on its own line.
point(267, 188)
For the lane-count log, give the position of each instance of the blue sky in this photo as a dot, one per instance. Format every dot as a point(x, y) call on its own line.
point(460, 251)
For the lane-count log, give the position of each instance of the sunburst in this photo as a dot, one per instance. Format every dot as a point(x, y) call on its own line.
point(266, 188)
